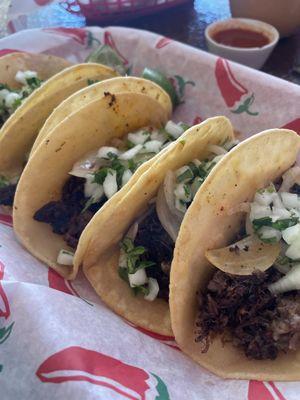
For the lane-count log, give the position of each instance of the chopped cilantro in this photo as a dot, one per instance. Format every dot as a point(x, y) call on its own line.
point(100, 175)
point(280, 224)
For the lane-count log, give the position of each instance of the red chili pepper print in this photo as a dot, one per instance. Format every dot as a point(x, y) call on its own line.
point(80, 364)
point(233, 92)
point(4, 52)
point(6, 219)
point(42, 2)
point(197, 120)
point(57, 282)
point(1, 271)
point(168, 340)
point(78, 35)
point(4, 304)
point(264, 391)
point(293, 125)
point(109, 41)
point(163, 42)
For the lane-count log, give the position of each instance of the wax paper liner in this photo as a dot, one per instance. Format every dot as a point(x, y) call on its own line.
point(57, 340)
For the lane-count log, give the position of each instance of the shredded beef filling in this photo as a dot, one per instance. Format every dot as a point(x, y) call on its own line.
point(160, 246)
point(66, 216)
point(7, 194)
point(258, 322)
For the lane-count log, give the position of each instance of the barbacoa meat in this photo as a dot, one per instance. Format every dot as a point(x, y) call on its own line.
point(66, 216)
point(7, 195)
point(160, 246)
point(244, 311)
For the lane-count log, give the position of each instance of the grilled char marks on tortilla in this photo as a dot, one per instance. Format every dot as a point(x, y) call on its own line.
point(65, 216)
point(7, 195)
point(160, 247)
point(260, 323)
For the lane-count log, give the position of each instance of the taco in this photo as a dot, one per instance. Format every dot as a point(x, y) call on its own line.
point(22, 127)
point(129, 266)
point(97, 90)
point(84, 161)
point(236, 309)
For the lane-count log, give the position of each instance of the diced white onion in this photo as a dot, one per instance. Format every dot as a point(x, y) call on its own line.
point(293, 251)
point(153, 289)
point(181, 194)
point(157, 135)
point(291, 234)
point(264, 199)
point(280, 213)
point(258, 211)
point(266, 232)
point(65, 257)
point(110, 185)
point(218, 150)
point(138, 137)
point(3, 94)
point(138, 278)
point(291, 281)
point(153, 146)
point(104, 150)
point(181, 171)
point(11, 98)
point(126, 176)
point(290, 200)
point(89, 185)
point(129, 154)
point(173, 129)
point(98, 193)
point(21, 76)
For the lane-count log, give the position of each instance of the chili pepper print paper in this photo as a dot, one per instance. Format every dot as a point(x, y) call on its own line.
point(57, 340)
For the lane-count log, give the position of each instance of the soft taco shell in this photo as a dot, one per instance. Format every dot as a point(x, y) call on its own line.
point(20, 130)
point(251, 165)
point(47, 170)
point(96, 91)
point(100, 257)
point(45, 65)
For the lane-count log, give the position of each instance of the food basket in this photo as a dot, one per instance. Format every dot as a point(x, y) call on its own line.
point(108, 10)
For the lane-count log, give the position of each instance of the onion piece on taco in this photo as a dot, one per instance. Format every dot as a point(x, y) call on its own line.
point(239, 316)
point(129, 265)
point(20, 130)
point(90, 156)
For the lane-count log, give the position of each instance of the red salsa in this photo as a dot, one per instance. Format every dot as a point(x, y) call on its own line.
point(238, 37)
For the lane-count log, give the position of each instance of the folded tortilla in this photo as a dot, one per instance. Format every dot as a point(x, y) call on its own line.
point(93, 126)
point(20, 130)
point(251, 165)
point(96, 91)
point(99, 252)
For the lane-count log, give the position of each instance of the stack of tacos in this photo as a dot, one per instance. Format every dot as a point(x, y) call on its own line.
point(180, 230)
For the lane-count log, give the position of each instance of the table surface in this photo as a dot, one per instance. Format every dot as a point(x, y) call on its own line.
point(186, 23)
